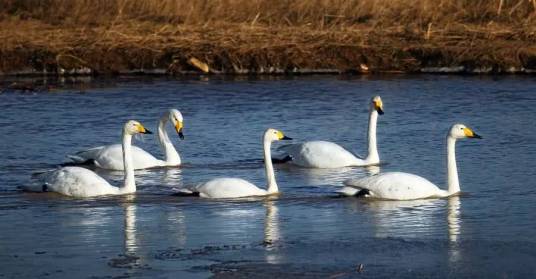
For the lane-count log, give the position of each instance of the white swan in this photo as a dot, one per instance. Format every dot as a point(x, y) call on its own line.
point(110, 156)
point(236, 187)
point(82, 183)
point(324, 154)
point(406, 186)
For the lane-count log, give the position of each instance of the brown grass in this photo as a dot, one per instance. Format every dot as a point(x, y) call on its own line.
point(266, 35)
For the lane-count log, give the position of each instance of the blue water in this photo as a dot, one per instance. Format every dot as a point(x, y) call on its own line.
point(486, 232)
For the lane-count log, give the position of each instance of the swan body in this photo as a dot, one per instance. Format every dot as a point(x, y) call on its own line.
point(83, 183)
point(227, 187)
point(395, 186)
point(321, 154)
point(236, 187)
point(324, 154)
point(406, 186)
point(111, 156)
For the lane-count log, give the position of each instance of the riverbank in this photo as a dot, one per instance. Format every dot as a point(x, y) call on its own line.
point(31, 44)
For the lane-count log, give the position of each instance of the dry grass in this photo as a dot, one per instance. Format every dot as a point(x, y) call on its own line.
point(259, 35)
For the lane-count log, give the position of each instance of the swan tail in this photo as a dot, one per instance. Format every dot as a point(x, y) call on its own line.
point(286, 159)
point(37, 182)
point(363, 193)
point(78, 162)
point(82, 157)
point(284, 154)
point(186, 193)
point(348, 191)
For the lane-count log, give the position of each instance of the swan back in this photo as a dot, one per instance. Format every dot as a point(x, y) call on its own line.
point(77, 182)
point(396, 186)
point(322, 154)
point(220, 188)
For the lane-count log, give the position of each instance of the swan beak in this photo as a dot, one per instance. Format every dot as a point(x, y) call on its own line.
point(143, 130)
point(378, 106)
point(470, 134)
point(178, 128)
point(281, 136)
point(380, 111)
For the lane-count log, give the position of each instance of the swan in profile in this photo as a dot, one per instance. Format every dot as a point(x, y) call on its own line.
point(325, 154)
point(82, 183)
point(110, 156)
point(406, 186)
point(227, 187)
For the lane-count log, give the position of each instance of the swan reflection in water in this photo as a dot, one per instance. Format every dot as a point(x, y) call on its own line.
point(415, 219)
point(403, 218)
point(454, 226)
point(272, 234)
point(131, 240)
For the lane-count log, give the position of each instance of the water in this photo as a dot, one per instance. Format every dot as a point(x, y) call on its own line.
point(307, 231)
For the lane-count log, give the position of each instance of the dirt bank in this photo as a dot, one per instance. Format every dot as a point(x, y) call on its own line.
point(32, 43)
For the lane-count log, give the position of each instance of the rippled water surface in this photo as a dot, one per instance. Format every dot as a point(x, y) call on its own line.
point(308, 231)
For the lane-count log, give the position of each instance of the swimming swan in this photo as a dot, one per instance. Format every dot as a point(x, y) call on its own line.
point(235, 187)
point(110, 156)
point(324, 154)
point(406, 186)
point(82, 183)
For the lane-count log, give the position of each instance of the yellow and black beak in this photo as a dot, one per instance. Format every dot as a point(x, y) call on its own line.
point(178, 128)
point(470, 134)
point(282, 136)
point(143, 130)
point(378, 106)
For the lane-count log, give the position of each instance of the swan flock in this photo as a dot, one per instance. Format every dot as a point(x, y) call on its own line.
point(80, 182)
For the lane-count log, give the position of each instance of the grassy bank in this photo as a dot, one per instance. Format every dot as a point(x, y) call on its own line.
point(263, 36)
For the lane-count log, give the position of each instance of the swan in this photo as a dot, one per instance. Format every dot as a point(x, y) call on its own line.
point(406, 186)
point(110, 156)
point(325, 154)
point(228, 187)
point(82, 183)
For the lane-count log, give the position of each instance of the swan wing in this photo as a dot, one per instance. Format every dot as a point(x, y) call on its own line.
point(396, 186)
point(111, 157)
point(228, 188)
point(321, 154)
point(74, 182)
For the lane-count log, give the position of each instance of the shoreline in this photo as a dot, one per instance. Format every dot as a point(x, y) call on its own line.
point(34, 48)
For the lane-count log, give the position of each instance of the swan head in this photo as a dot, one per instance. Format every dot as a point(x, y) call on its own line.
point(175, 116)
point(273, 135)
point(460, 131)
point(377, 104)
point(133, 127)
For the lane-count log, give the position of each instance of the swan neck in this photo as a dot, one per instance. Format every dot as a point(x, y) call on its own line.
point(372, 157)
point(171, 155)
point(452, 169)
point(129, 183)
point(269, 168)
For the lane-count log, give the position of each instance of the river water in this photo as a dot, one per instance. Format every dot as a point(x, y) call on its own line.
point(308, 231)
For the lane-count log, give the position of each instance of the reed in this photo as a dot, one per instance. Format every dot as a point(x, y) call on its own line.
point(266, 35)
point(316, 13)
